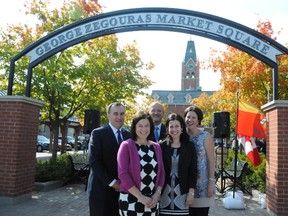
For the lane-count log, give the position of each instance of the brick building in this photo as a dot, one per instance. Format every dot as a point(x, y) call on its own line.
point(178, 101)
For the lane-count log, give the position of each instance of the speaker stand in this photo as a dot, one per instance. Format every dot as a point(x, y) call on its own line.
point(219, 174)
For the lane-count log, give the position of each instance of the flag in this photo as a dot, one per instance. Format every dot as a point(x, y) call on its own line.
point(251, 150)
point(250, 121)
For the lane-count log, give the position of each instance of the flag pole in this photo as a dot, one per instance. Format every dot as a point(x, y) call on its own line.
point(236, 137)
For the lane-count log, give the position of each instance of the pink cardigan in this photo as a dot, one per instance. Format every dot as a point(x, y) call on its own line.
point(129, 166)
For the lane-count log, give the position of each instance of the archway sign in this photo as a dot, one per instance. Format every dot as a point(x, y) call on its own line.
point(166, 19)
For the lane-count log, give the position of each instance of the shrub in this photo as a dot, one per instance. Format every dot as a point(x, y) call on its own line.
point(256, 176)
point(48, 171)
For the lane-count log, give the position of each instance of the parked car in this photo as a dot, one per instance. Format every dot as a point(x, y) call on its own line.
point(71, 141)
point(68, 146)
point(42, 143)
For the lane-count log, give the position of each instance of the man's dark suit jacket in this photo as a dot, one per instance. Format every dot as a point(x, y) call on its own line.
point(162, 133)
point(103, 148)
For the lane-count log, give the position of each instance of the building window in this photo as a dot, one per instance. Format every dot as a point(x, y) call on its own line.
point(193, 75)
point(156, 97)
point(170, 98)
point(188, 98)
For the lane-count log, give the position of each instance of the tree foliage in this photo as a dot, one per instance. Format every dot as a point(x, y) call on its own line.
point(255, 78)
point(86, 76)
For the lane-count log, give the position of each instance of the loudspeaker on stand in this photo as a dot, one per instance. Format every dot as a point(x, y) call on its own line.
point(91, 120)
point(221, 124)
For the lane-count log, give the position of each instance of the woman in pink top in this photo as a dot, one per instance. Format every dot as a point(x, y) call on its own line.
point(140, 170)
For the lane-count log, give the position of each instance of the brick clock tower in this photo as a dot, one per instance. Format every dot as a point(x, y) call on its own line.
point(190, 69)
point(178, 101)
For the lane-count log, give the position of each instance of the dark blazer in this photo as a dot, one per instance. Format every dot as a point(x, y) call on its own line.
point(103, 148)
point(187, 167)
point(162, 133)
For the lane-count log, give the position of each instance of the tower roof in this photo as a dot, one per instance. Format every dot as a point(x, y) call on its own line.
point(190, 52)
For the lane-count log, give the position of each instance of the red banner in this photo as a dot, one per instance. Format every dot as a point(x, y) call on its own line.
point(250, 121)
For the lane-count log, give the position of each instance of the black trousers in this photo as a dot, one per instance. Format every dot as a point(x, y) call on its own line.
point(199, 211)
point(104, 206)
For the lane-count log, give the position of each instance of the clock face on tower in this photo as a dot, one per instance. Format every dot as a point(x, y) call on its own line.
point(190, 66)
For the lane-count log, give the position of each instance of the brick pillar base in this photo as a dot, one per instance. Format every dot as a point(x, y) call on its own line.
point(19, 121)
point(277, 157)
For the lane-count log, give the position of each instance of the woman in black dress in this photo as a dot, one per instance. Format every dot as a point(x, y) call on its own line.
point(180, 162)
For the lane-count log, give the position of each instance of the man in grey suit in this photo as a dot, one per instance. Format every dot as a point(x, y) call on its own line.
point(103, 182)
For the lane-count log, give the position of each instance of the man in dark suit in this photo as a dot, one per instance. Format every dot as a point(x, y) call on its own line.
point(156, 111)
point(103, 182)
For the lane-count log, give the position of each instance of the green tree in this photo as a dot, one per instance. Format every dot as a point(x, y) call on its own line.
point(86, 76)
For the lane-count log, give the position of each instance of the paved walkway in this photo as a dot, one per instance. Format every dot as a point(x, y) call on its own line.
point(72, 200)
